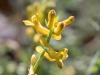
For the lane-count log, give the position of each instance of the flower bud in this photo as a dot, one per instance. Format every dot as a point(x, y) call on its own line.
point(58, 30)
point(29, 31)
point(51, 17)
point(36, 38)
point(60, 64)
point(69, 20)
point(31, 71)
point(33, 58)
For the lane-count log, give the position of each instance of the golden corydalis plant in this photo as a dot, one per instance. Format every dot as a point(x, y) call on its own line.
point(54, 29)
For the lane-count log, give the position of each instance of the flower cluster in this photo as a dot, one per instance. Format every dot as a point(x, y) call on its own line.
point(53, 29)
point(51, 54)
point(53, 24)
point(34, 8)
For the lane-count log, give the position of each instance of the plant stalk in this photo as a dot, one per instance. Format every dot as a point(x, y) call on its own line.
point(42, 55)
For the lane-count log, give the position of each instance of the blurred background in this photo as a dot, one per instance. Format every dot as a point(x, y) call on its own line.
point(82, 37)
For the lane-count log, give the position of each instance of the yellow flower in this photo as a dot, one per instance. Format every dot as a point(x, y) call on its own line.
point(51, 54)
point(59, 27)
point(52, 24)
point(39, 28)
point(31, 71)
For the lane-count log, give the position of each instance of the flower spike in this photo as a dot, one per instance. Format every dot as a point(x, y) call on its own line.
point(53, 29)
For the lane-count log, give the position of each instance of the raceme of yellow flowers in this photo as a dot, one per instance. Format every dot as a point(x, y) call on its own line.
point(53, 29)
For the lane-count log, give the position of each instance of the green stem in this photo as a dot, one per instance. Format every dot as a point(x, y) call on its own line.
point(38, 61)
point(42, 55)
point(49, 37)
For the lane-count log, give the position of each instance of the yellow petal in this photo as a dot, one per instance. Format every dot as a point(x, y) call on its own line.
point(62, 54)
point(60, 64)
point(34, 18)
point(42, 30)
point(51, 18)
point(60, 27)
point(28, 23)
point(33, 58)
point(39, 49)
point(56, 37)
point(69, 20)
